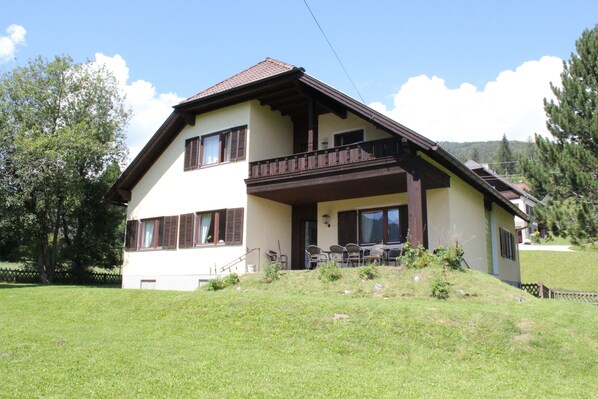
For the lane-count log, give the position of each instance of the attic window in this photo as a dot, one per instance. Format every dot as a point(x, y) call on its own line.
point(352, 137)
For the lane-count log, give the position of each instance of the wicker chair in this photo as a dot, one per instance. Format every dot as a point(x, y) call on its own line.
point(315, 256)
point(376, 254)
point(338, 254)
point(354, 254)
point(275, 257)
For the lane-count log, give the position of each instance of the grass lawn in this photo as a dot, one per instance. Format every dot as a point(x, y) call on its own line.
point(567, 271)
point(297, 338)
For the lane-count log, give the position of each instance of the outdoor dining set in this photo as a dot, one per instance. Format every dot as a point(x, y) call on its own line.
point(353, 255)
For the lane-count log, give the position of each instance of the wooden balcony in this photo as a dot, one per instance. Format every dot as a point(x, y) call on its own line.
point(331, 158)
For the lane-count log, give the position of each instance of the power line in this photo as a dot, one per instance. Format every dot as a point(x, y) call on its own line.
point(335, 54)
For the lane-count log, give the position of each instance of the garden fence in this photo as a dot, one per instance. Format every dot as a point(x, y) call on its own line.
point(539, 290)
point(60, 277)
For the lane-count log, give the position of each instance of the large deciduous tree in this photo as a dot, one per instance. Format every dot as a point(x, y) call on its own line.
point(567, 166)
point(61, 142)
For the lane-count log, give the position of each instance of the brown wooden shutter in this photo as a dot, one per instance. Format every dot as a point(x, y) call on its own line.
point(238, 145)
point(403, 223)
point(171, 224)
point(131, 235)
point(186, 230)
point(234, 226)
point(241, 148)
point(347, 227)
point(191, 153)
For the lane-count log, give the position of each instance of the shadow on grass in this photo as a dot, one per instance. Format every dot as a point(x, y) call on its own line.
point(23, 285)
point(31, 285)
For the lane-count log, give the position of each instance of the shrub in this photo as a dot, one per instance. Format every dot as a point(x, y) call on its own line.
point(231, 279)
point(214, 285)
point(369, 272)
point(440, 288)
point(329, 272)
point(416, 258)
point(271, 272)
point(450, 257)
point(220, 283)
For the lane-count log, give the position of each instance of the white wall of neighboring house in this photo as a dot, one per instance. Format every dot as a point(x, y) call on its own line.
point(526, 229)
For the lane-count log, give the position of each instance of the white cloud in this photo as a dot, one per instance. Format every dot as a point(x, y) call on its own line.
point(512, 105)
point(15, 36)
point(150, 108)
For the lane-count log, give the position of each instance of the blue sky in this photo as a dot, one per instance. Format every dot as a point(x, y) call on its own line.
point(408, 59)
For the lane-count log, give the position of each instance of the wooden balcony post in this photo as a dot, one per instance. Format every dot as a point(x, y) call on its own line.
point(417, 207)
point(312, 126)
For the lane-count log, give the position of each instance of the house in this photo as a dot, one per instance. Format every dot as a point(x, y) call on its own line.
point(516, 193)
point(272, 158)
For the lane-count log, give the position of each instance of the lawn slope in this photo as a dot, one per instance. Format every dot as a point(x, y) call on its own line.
point(297, 338)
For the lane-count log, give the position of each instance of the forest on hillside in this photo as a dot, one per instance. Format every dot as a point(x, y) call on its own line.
point(493, 153)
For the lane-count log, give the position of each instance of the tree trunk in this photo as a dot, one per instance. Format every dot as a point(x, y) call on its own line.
point(43, 264)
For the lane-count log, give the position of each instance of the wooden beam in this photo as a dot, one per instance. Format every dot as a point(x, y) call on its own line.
point(312, 126)
point(417, 208)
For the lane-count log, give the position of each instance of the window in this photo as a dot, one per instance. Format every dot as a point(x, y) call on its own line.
point(355, 136)
point(225, 146)
point(213, 227)
point(507, 244)
point(385, 225)
point(152, 233)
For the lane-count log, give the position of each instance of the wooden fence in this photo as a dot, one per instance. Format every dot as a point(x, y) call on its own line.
point(60, 277)
point(539, 290)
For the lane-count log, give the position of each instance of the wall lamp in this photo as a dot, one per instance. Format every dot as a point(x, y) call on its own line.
point(326, 219)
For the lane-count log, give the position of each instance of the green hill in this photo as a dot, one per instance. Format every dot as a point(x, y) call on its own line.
point(297, 338)
point(486, 149)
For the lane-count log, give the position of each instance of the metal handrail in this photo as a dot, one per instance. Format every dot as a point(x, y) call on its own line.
point(239, 259)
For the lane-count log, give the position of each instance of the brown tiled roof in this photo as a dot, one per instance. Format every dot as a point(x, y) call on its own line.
point(265, 69)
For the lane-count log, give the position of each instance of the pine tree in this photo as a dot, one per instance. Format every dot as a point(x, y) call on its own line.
point(567, 166)
point(504, 158)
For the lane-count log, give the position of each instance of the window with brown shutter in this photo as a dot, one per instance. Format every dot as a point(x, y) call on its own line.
point(234, 226)
point(191, 153)
point(131, 235)
point(186, 230)
point(170, 231)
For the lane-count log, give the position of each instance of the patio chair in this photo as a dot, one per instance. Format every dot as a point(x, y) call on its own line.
point(376, 254)
point(338, 254)
point(275, 257)
point(315, 256)
point(354, 254)
point(393, 254)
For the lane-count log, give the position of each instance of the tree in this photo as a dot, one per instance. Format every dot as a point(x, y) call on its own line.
point(61, 141)
point(504, 158)
point(475, 154)
point(567, 165)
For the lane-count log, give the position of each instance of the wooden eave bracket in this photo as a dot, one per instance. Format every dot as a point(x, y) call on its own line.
point(188, 117)
point(124, 194)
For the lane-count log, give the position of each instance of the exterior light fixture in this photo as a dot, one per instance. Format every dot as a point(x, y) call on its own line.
point(326, 219)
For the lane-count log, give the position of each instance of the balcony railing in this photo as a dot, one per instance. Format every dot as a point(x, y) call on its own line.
point(337, 156)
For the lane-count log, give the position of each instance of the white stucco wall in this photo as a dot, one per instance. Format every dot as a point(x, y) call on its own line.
point(271, 133)
point(268, 225)
point(508, 270)
point(166, 190)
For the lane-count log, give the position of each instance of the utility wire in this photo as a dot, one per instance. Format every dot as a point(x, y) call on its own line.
point(332, 48)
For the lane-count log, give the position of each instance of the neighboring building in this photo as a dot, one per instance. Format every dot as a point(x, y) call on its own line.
point(257, 161)
point(516, 193)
